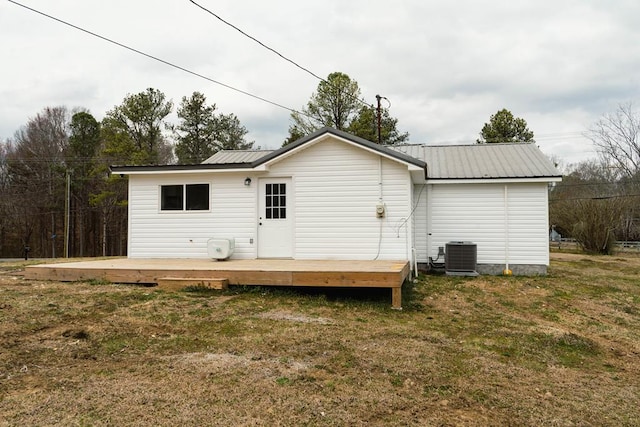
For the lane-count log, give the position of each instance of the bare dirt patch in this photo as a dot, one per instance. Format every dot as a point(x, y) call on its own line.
point(291, 317)
point(561, 350)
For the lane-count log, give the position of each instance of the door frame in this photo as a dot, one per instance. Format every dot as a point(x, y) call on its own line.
point(290, 212)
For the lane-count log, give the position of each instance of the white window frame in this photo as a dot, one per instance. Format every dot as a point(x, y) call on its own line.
point(184, 198)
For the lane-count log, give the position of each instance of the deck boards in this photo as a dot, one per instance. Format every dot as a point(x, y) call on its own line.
point(263, 272)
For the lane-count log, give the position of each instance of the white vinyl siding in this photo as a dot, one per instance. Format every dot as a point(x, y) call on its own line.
point(183, 234)
point(529, 224)
point(476, 213)
point(336, 190)
point(335, 187)
point(420, 232)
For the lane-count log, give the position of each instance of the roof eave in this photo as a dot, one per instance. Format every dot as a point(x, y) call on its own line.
point(496, 180)
point(180, 169)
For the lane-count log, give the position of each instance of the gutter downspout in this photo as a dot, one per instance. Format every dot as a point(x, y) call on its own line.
point(414, 253)
point(507, 271)
point(380, 179)
point(380, 208)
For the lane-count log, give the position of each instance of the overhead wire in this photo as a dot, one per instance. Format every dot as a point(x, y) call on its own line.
point(620, 196)
point(155, 58)
point(550, 136)
point(537, 138)
point(264, 45)
point(255, 39)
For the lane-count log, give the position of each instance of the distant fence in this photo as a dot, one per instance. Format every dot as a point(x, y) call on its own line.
point(629, 245)
point(571, 243)
point(563, 243)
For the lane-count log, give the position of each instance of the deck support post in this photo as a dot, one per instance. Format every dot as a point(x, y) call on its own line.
point(396, 298)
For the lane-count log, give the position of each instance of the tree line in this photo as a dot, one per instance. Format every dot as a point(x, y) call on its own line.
point(58, 197)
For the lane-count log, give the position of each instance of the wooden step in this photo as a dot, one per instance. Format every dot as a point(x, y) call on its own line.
point(177, 283)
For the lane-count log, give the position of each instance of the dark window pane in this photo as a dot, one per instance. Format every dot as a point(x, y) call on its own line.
point(171, 198)
point(197, 197)
point(275, 201)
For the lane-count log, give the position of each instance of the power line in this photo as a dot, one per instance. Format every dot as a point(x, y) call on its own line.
point(256, 40)
point(622, 196)
point(595, 184)
point(536, 139)
point(554, 135)
point(273, 50)
point(155, 58)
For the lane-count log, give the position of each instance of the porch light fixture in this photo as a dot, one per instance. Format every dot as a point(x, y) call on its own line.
point(247, 181)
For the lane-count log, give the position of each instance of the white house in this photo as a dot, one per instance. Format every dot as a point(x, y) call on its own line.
point(332, 195)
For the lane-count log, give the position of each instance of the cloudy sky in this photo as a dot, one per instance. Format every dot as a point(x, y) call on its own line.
point(445, 67)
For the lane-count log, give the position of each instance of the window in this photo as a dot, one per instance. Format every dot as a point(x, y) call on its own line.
point(190, 197)
point(276, 201)
point(198, 197)
point(171, 198)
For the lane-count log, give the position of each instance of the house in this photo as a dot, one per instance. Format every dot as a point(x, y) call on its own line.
point(334, 196)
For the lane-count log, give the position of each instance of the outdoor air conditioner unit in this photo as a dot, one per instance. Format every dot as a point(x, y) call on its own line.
point(461, 258)
point(220, 249)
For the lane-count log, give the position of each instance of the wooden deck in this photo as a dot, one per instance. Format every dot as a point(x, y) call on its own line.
point(261, 272)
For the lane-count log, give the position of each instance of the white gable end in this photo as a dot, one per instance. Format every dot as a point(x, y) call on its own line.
point(336, 189)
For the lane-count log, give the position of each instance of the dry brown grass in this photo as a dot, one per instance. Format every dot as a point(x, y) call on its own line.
point(561, 350)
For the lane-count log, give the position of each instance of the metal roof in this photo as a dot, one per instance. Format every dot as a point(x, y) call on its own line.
point(260, 156)
point(482, 161)
point(236, 156)
point(477, 161)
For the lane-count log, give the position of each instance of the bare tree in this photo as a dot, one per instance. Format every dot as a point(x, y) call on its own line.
point(5, 218)
point(36, 170)
point(592, 205)
point(616, 136)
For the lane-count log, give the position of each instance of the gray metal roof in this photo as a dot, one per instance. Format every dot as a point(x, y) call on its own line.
point(477, 161)
point(482, 161)
point(236, 156)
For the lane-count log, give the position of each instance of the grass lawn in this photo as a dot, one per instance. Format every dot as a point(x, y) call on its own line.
point(560, 350)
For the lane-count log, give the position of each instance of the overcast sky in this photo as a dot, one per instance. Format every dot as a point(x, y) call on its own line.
point(445, 67)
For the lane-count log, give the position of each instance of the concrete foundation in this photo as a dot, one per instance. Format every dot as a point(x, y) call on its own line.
point(496, 269)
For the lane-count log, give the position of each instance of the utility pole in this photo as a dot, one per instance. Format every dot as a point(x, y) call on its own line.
point(67, 215)
point(379, 116)
point(379, 119)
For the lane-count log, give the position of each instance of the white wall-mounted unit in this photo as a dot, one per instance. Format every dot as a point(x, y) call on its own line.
point(461, 259)
point(220, 249)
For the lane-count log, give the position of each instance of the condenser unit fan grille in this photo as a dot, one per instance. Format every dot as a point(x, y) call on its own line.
point(461, 258)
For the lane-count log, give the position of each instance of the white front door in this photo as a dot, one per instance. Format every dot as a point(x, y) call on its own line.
point(275, 222)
